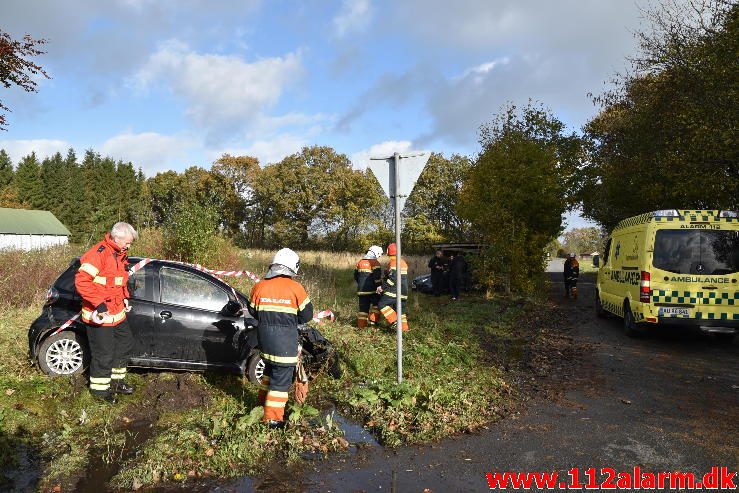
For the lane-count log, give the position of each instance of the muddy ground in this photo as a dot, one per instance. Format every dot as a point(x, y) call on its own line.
point(668, 401)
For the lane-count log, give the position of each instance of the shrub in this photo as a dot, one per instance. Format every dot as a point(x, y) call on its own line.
point(190, 231)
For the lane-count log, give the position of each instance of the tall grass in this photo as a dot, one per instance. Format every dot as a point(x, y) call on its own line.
point(25, 276)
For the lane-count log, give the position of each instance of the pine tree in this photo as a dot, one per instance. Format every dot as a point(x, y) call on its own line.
point(53, 184)
point(76, 207)
point(6, 169)
point(27, 180)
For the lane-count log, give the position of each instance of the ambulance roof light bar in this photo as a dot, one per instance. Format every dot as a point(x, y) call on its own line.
point(733, 214)
point(666, 213)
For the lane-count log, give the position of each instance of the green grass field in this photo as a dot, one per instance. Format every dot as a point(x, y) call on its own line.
point(183, 426)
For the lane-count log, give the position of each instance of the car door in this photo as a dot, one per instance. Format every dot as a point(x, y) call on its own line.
point(143, 307)
point(190, 325)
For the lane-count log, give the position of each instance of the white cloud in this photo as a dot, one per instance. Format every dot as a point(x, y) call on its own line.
point(355, 15)
point(223, 93)
point(17, 149)
point(150, 151)
point(387, 148)
point(268, 151)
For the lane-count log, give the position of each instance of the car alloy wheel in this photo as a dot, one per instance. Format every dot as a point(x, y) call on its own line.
point(64, 356)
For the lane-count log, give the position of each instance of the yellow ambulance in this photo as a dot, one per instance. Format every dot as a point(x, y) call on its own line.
point(672, 267)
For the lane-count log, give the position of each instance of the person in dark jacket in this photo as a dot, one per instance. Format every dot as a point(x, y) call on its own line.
point(368, 275)
point(438, 265)
point(279, 303)
point(571, 273)
point(457, 271)
point(389, 287)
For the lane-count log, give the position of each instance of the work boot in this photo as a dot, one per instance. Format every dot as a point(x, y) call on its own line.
point(104, 395)
point(274, 424)
point(121, 388)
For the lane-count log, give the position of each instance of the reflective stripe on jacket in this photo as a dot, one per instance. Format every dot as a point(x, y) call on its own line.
point(280, 304)
point(103, 278)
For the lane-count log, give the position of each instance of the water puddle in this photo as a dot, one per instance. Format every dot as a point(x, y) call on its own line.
point(25, 474)
point(100, 471)
point(356, 434)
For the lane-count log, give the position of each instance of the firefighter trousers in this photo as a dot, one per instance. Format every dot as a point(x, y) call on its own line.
point(368, 311)
point(387, 308)
point(279, 346)
point(110, 348)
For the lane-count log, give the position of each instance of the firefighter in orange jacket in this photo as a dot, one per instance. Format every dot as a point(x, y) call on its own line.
point(102, 282)
point(389, 287)
point(279, 304)
point(368, 275)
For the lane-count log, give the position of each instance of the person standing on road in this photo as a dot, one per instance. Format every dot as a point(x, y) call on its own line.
point(438, 265)
point(457, 271)
point(571, 273)
point(102, 283)
point(368, 275)
point(388, 289)
point(279, 303)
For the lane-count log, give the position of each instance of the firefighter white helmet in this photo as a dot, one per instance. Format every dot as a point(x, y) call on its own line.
point(375, 250)
point(288, 258)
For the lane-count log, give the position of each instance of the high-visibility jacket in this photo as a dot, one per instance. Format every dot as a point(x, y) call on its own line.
point(368, 275)
point(103, 279)
point(280, 304)
point(389, 286)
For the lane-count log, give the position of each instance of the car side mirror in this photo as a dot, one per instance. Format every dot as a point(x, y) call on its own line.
point(232, 309)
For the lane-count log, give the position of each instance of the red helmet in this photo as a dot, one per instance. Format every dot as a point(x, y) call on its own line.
point(392, 249)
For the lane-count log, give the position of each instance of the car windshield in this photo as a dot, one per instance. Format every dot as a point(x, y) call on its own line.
point(692, 251)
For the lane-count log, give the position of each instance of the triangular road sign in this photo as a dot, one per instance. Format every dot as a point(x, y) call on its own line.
point(410, 166)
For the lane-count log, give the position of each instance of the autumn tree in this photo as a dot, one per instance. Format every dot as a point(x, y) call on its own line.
point(583, 240)
point(16, 67)
point(235, 177)
point(430, 214)
point(666, 135)
point(516, 192)
point(311, 194)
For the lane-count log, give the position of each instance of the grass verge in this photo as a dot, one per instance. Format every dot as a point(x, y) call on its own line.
point(206, 425)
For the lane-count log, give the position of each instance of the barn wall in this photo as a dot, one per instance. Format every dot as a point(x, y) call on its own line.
point(30, 242)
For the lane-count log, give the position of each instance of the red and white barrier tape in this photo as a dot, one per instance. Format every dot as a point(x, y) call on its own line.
point(324, 314)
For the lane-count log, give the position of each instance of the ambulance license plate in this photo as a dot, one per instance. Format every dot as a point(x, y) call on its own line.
point(674, 312)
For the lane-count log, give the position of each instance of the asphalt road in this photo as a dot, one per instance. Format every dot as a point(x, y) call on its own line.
point(665, 402)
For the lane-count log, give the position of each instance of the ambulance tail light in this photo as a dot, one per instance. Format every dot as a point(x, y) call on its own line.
point(667, 213)
point(645, 287)
point(732, 214)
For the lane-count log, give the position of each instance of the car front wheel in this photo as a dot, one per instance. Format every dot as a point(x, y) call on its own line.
point(255, 368)
point(65, 353)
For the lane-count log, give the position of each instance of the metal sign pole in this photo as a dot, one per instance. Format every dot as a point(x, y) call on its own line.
point(398, 275)
point(398, 187)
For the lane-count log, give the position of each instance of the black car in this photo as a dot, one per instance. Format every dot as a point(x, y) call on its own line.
point(182, 319)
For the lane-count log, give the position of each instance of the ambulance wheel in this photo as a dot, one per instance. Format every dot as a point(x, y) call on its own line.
point(599, 311)
point(630, 327)
point(255, 368)
point(65, 353)
point(725, 338)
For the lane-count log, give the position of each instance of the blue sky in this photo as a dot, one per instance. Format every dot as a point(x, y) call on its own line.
point(168, 84)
